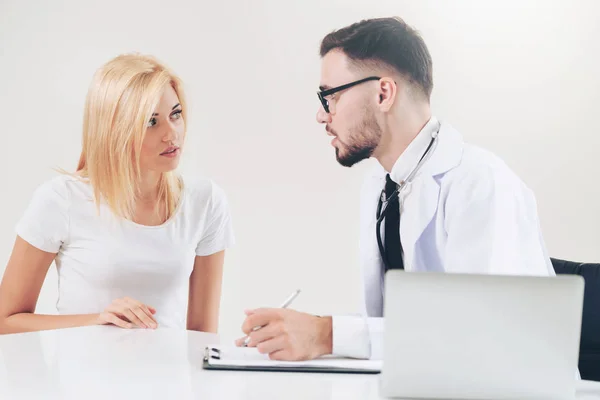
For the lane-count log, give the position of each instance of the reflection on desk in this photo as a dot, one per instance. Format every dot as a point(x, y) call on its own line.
point(111, 363)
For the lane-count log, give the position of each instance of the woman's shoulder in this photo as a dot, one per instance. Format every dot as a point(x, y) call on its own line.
point(63, 184)
point(62, 189)
point(55, 186)
point(201, 187)
point(207, 206)
point(201, 191)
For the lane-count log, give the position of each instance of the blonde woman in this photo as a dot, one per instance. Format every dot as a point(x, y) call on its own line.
point(134, 244)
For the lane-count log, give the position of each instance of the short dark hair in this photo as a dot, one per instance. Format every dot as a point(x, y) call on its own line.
point(388, 41)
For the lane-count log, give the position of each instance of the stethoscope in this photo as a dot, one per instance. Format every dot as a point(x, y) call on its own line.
point(383, 202)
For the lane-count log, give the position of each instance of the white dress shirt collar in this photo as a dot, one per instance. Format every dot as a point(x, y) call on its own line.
point(413, 153)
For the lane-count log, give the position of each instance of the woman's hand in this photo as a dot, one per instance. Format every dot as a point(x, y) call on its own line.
point(127, 313)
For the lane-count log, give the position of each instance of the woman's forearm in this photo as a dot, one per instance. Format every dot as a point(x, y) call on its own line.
point(28, 322)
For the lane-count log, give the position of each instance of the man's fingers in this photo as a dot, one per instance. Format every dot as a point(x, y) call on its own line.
point(282, 355)
point(268, 332)
point(113, 319)
point(273, 345)
point(241, 342)
point(259, 318)
point(257, 336)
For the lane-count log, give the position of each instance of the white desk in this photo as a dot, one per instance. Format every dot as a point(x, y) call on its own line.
point(112, 363)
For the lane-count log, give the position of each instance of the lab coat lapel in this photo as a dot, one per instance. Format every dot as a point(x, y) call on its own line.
point(372, 270)
point(416, 212)
point(422, 195)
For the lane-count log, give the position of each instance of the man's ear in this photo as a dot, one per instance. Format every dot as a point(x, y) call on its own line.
point(387, 91)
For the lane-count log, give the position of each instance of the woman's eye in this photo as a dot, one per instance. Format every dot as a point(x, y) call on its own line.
point(176, 114)
point(152, 122)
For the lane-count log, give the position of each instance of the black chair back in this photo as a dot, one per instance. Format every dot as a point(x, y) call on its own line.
point(589, 349)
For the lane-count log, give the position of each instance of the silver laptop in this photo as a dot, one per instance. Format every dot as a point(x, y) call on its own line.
point(462, 336)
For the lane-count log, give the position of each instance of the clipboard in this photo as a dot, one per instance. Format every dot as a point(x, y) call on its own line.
point(214, 360)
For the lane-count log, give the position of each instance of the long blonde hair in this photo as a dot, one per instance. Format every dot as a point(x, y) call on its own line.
point(120, 101)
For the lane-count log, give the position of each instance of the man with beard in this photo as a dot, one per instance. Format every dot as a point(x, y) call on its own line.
point(462, 209)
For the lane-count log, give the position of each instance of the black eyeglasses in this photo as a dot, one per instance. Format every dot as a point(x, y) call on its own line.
point(324, 93)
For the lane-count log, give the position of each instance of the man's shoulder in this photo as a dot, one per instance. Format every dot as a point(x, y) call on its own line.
point(483, 173)
point(478, 163)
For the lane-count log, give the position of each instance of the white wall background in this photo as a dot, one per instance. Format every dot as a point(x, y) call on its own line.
point(520, 77)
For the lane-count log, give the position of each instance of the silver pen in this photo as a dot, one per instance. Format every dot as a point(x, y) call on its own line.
point(285, 304)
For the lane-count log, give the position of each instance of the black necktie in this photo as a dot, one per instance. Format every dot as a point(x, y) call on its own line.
point(392, 245)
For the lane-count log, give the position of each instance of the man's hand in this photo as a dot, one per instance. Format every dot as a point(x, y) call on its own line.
point(286, 334)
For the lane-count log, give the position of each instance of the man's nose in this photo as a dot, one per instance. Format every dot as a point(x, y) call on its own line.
point(322, 116)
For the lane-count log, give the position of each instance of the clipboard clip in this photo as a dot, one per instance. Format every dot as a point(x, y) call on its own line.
point(211, 352)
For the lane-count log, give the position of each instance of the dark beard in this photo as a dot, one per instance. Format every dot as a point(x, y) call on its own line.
point(354, 155)
point(362, 142)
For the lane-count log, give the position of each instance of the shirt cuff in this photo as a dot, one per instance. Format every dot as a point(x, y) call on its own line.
point(351, 337)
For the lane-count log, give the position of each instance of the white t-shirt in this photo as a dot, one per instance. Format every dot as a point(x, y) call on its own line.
point(101, 257)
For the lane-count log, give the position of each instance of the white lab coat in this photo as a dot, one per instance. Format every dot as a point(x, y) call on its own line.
point(465, 211)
